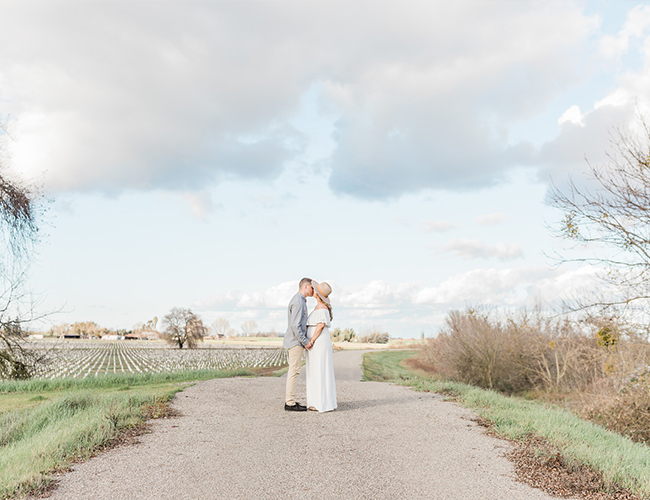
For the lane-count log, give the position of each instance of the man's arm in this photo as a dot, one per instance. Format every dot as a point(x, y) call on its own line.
point(295, 311)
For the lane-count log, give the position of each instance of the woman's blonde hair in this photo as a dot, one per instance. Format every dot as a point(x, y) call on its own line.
point(329, 306)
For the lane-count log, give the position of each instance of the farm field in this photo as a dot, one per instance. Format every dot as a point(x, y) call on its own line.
point(79, 359)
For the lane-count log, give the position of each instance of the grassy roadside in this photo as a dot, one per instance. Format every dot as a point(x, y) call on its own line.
point(45, 426)
point(621, 461)
point(116, 380)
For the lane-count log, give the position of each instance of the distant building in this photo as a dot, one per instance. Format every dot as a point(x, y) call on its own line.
point(113, 337)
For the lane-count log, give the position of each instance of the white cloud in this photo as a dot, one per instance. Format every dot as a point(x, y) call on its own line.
point(180, 95)
point(572, 115)
point(376, 294)
point(567, 155)
point(376, 302)
point(613, 46)
point(589, 134)
point(273, 297)
point(476, 249)
point(491, 219)
point(567, 285)
point(434, 226)
point(524, 286)
point(484, 286)
point(636, 24)
point(399, 306)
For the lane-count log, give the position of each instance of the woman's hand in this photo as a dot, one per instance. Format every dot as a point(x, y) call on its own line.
point(309, 345)
point(314, 337)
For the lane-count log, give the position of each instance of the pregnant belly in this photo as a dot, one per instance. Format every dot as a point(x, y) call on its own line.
point(312, 329)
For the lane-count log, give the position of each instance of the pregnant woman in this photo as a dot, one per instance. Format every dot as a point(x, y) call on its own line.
point(321, 387)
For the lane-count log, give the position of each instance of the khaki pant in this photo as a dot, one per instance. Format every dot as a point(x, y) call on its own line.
point(295, 362)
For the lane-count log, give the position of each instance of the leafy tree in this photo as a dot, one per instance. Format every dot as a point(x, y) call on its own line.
point(348, 335)
point(182, 326)
point(338, 335)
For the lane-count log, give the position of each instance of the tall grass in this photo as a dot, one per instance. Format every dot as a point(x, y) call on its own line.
point(81, 416)
point(621, 461)
point(385, 365)
point(50, 436)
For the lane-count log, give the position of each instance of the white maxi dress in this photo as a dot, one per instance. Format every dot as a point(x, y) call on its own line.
point(321, 387)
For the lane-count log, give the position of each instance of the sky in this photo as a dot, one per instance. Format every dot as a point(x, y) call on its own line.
point(208, 155)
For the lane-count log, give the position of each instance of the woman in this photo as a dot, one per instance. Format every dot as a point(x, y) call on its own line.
point(321, 388)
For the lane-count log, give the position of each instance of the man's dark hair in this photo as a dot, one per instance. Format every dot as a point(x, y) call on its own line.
point(304, 281)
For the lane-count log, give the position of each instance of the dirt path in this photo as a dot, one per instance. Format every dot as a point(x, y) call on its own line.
point(234, 440)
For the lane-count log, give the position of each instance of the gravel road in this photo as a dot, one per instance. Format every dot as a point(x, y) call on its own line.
point(234, 440)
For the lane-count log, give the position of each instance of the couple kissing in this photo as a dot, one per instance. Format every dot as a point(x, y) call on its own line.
point(309, 334)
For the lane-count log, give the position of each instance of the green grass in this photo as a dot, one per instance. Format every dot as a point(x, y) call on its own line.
point(281, 371)
point(621, 461)
point(385, 366)
point(47, 425)
point(117, 379)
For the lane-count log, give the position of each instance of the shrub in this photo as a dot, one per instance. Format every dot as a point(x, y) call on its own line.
point(482, 351)
point(338, 335)
point(626, 412)
point(526, 351)
point(376, 338)
point(593, 366)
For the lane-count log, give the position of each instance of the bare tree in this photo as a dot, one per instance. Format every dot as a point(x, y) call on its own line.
point(146, 329)
point(87, 329)
point(19, 216)
point(150, 326)
point(221, 326)
point(613, 218)
point(248, 327)
point(182, 326)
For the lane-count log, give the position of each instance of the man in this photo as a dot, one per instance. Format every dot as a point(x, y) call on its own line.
point(295, 341)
